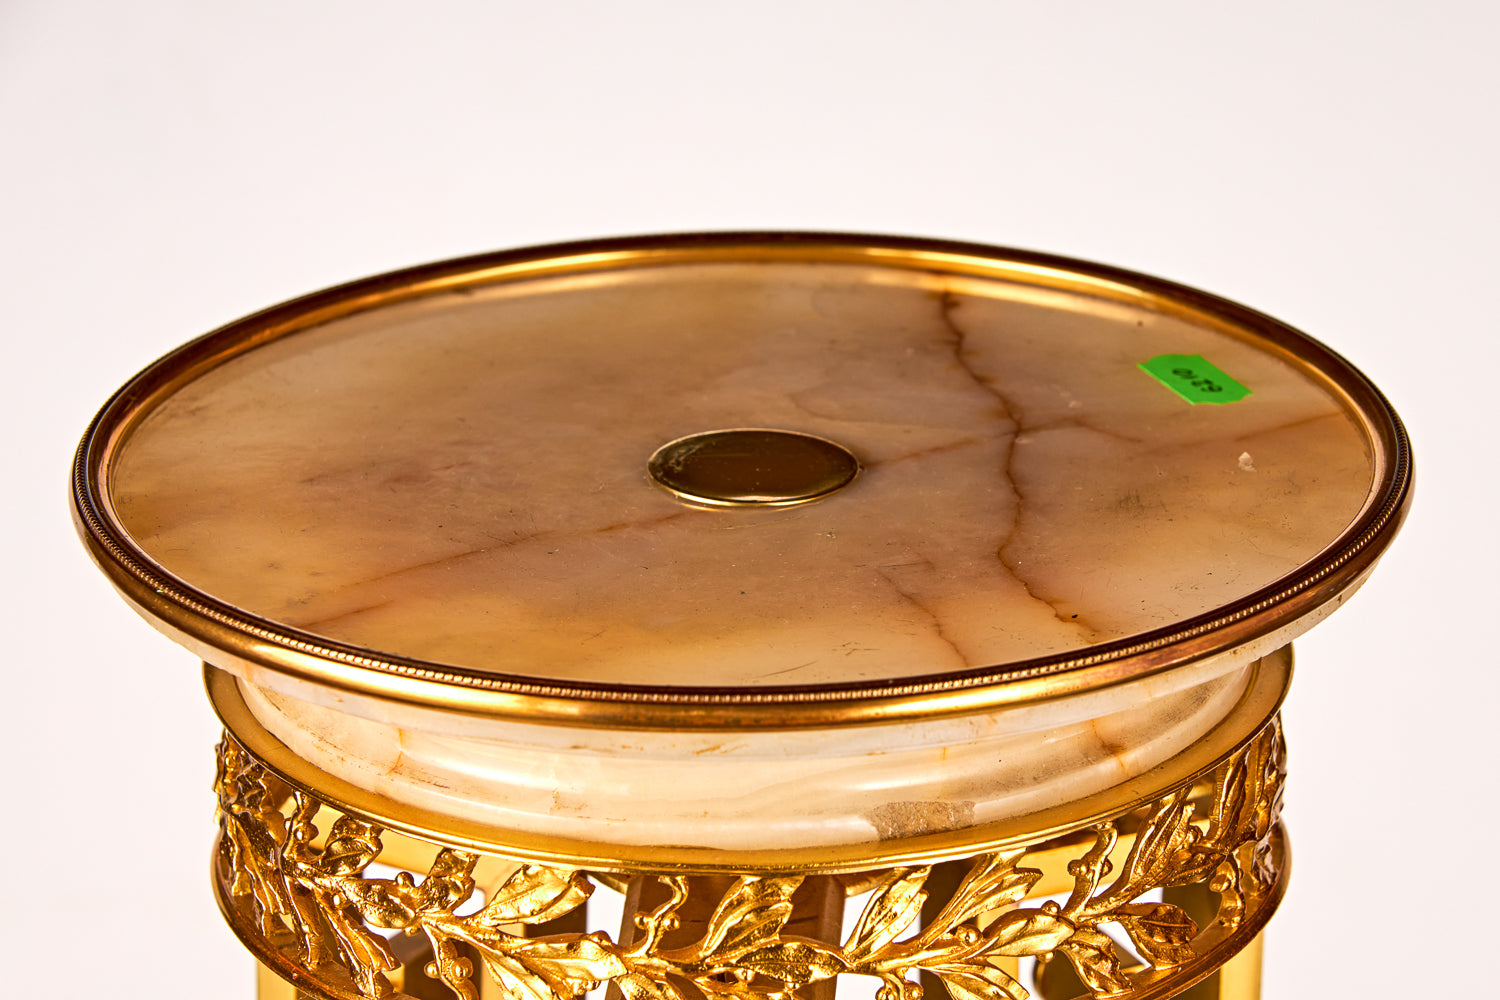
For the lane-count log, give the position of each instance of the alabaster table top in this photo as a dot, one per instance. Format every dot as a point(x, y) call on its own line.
point(427, 500)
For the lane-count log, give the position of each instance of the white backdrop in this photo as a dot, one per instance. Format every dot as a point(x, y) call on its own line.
point(166, 167)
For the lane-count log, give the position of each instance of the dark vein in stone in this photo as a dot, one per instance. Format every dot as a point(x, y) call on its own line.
point(1254, 437)
point(948, 304)
point(1261, 432)
point(340, 617)
point(1077, 423)
point(937, 449)
point(508, 543)
point(936, 621)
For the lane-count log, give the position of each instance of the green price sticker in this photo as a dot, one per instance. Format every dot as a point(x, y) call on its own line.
point(1194, 379)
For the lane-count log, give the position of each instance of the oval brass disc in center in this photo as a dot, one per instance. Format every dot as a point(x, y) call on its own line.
point(752, 467)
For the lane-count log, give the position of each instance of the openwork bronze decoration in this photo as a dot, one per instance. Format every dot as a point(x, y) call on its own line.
point(306, 903)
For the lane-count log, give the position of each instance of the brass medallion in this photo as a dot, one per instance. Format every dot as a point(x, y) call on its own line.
point(753, 467)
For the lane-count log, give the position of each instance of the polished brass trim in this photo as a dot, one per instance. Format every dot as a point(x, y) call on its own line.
point(225, 634)
point(1261, 701)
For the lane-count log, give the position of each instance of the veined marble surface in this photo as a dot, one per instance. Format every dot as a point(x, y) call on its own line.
point(462, 479)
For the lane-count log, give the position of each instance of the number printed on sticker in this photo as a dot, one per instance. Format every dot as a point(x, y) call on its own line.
point(1206, 384)
point(1194, 378)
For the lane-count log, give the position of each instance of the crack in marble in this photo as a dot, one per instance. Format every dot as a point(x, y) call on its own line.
point(948, 304)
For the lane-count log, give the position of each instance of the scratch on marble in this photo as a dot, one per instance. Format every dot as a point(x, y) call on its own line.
point(922, 562)
point(649, 523)
point(788, 670)
point(720, 748)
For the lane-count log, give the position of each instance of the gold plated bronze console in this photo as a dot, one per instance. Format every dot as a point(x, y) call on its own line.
point(847, 610)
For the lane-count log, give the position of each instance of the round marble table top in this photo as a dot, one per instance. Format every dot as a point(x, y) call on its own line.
point(442, 479)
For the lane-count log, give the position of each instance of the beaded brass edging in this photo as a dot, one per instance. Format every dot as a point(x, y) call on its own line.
point(309, 910)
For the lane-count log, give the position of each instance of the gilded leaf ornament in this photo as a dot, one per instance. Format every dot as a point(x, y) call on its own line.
point(320, 907)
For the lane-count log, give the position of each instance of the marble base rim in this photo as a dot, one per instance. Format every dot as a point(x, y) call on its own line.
point(1258, 703)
